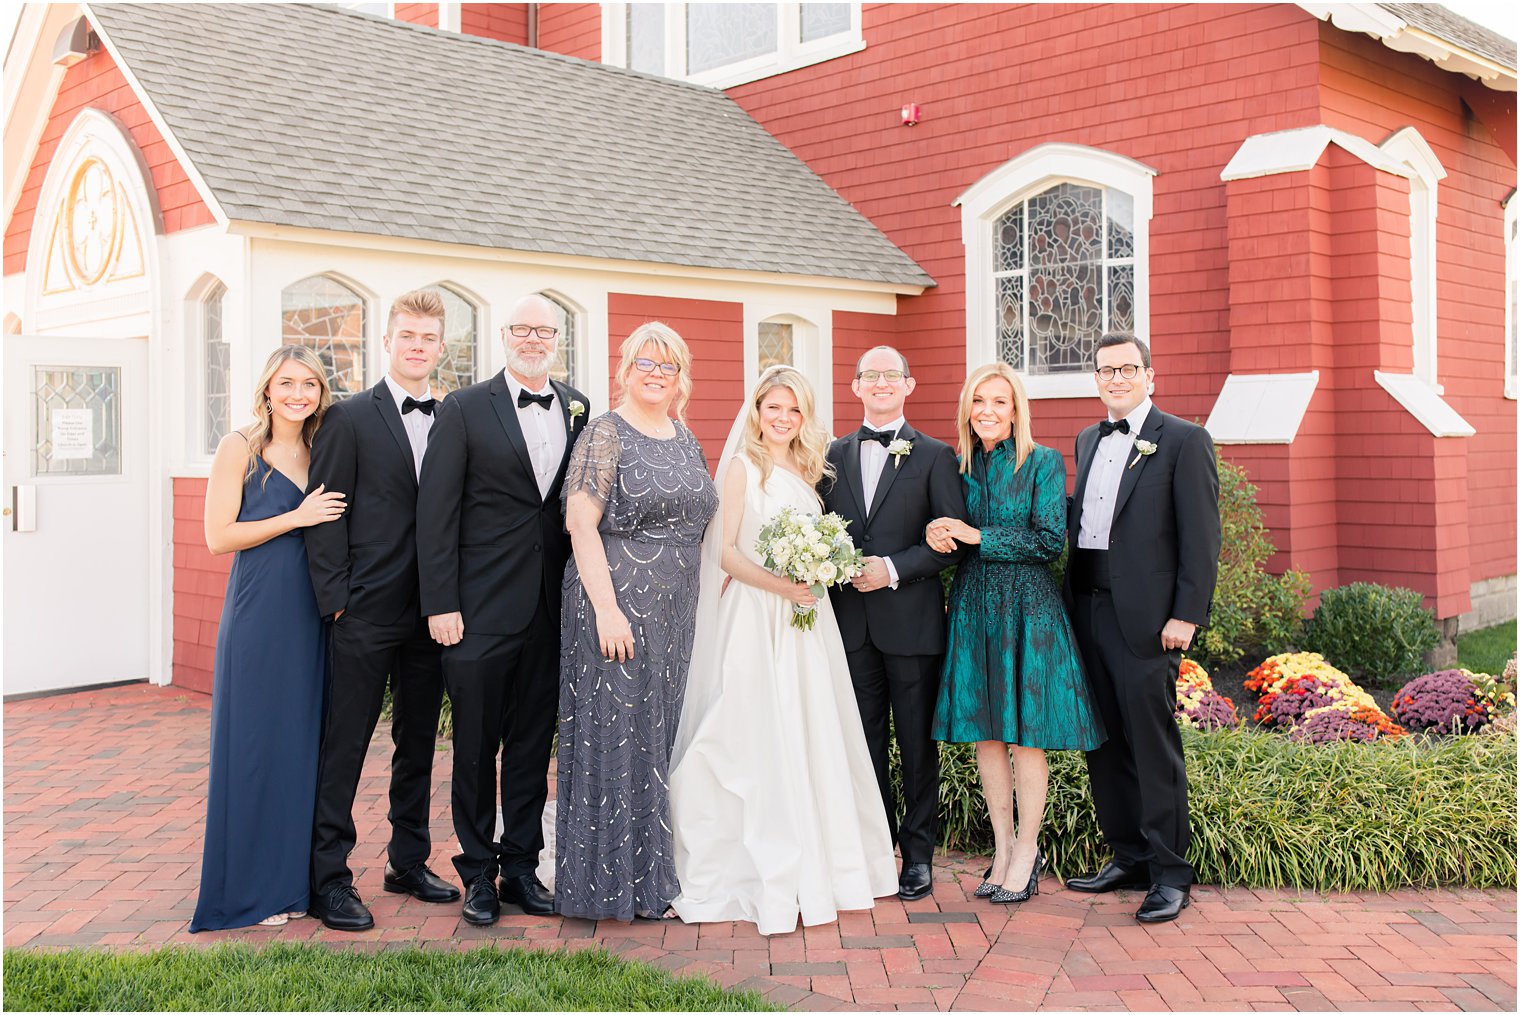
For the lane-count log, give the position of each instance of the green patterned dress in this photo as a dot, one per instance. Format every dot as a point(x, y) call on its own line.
point(1012, 670)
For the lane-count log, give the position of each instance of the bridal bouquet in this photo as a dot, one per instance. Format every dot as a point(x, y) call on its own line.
point(812, 549)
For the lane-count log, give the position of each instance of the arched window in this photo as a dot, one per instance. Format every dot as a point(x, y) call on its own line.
point(327, 317)
point(1057, 246)
point(216, 368)
point(567, 358)
point(775, 346)
point(461, 330)
point(1409, 148)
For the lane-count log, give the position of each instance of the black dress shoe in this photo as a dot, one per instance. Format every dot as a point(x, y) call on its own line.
point(527, 891)
point(1112, 876)
point(1163, 903)
point(481, 906)
point(419, 883)
point(917, 880)
point(340, 909)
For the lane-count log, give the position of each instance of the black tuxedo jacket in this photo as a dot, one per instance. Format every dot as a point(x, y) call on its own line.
point(488, 543)
point(366, 561)
point(925, 486)
point(1163, 546)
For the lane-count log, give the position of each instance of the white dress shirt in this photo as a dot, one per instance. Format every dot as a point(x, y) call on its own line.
point(416, 423)
point(543, 429)
point(873, 459)
point(1110, 459)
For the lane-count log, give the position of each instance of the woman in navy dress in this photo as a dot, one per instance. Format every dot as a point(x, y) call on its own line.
point(266, 700)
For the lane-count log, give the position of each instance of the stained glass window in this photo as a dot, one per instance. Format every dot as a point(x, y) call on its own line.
point(819, 21)
point(327, 317)
point(566, 361)
point(456, 364)
point(775, 346)
point(76, 421)
point(1064, 274)
point(216, 357)
point(720, 34)
point(646, 37)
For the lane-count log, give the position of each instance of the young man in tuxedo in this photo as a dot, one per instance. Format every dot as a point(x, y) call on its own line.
point(364, 568)
point(890, 482)
point(1144, 530)
point(493, 555)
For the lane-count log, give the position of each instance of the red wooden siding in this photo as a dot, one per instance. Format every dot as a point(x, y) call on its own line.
point(200, 586)
point(96, 82)
point(572, 29)
point(505, 22)
point(418, 14)
point(715, 333)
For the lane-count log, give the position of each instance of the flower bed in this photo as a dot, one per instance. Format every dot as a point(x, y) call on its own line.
point(1451, 701)
point(1313, 702)
point(1199, 706)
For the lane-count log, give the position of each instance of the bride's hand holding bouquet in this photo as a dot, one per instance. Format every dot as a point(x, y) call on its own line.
point(813, 551)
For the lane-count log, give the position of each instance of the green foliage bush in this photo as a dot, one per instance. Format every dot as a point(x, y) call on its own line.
point(1254, 610)
point(1268, 812)
point(1374, 632)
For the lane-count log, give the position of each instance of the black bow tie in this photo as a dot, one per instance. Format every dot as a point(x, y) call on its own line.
point(424, 404)
point(1108, 426)
point(882, 437)
point(526, 397)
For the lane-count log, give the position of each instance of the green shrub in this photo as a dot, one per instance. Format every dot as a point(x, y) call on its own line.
point(1373, 632)
point(1269, 812)
point(1254, 610)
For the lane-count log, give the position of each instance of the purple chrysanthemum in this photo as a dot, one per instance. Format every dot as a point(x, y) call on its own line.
point(1445, 701)
point(1289, 705)
point(1329, 724)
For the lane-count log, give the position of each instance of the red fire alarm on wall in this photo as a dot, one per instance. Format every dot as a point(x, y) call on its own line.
point(910, 114)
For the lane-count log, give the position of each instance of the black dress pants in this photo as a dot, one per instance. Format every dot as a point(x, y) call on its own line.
point(505, 692)
point(1139, 781)
point(903, 688)
point(364, 657)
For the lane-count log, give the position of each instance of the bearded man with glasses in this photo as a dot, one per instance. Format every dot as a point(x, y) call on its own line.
point(1143, 525)
point(491, 548)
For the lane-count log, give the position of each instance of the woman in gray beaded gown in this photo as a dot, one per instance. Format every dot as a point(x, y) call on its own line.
point(638, 498)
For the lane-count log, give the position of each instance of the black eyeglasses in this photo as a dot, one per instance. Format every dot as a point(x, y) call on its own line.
point(524, 330)
point(1128, 371)
point(648, 366)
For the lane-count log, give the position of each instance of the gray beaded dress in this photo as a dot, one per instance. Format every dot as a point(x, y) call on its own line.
point(617, 721)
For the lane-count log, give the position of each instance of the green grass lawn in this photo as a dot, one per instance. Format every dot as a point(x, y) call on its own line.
point(310, 977)
point(1487, 651)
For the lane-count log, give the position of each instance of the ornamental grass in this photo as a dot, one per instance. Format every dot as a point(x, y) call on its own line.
point(1271, 812)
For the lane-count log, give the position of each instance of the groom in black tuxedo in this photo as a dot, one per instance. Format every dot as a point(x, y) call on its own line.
point(364, 569)
point(1144, 530)
point(890, 482)
point(493, 555)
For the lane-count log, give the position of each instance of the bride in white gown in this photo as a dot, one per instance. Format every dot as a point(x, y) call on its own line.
point(774, 804)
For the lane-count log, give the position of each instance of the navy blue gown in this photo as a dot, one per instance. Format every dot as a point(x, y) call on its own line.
point(266, 724)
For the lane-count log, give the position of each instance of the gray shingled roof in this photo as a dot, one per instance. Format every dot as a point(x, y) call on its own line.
point(323, 118)
point(1450, 26)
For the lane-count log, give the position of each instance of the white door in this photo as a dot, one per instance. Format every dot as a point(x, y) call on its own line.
point(76, 546)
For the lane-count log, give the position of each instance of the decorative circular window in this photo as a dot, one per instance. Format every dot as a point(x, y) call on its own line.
point(92, 219)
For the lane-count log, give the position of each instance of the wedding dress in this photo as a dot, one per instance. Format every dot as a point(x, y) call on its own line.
point(774, 804)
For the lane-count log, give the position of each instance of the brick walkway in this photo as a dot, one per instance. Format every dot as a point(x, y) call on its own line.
point(104, 799)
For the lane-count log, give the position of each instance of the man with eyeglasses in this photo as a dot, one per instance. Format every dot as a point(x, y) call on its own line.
point(890, 482)
point(492, 551)
point(1144, 529)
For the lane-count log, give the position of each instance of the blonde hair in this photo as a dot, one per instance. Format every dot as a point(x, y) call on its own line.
point(966, 439)
point(262, 431)
point(664, 338)
point(809, 448)
point(418, 303)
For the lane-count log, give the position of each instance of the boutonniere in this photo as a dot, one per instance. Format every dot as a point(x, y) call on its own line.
point(1143, 449)
point(577, 409)
point(899, 449)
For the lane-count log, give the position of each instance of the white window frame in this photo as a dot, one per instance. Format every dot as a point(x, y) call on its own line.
point(812, 350)
point(576, 317)
point(477, 304)
point(1511, 292)
point(1407, 147)
point(1037, 170)
point(791, 53)
point(195, 305)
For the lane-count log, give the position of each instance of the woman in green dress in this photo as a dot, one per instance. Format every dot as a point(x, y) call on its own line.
point(1013, 682)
